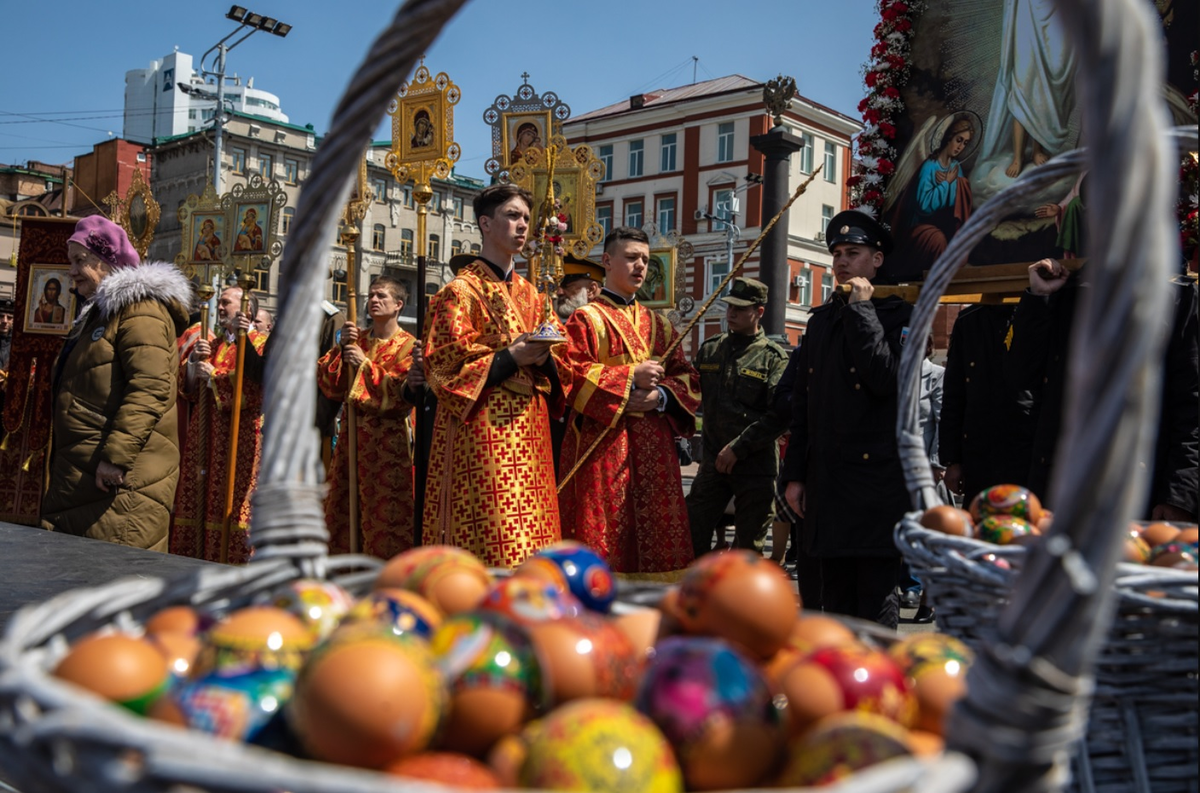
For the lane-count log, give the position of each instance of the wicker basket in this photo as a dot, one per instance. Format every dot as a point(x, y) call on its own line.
point(1142, 731)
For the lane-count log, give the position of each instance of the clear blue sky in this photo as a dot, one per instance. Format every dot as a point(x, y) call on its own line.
point(67, 60)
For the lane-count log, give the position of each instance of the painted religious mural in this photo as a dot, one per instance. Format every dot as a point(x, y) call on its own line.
point(964, 97)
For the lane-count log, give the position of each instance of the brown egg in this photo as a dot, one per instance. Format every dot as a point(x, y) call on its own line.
point(814, 631)
point(926, 744)
point(175, 619)
point(1188, 536)
point(446, 768)
point(118, 667)
point(369, 701)
point(180, 650)
point(1157, 534)
point(586, 656)
point(641, 627)
point(948, 520)
point(741, 597)
point(730, 755)
point(479, 717)
point(450, 578)
point(937, 688)
point(811, 693)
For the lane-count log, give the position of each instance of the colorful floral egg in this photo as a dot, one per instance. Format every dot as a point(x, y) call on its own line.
point(919, 650)
point(368, 700)
point(715, 708)
point(253, 638)
point(586, 656)
point(1137, 550)
point(1003, 529)
point(452, 579)
point(318, 604)
point(575, 568)
point(741, 597)
point(400, 611)
point(598, 744)
point(234, 706)
point(841, 745)
point(1174, 554)
point(870, 681)
point(1012, 500)
point(494, 676)
point(528, 600)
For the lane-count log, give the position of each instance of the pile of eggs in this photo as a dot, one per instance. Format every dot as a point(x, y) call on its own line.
point(442, 673)
point(1013, 515)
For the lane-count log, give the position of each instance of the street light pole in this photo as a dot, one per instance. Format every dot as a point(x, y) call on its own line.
point(219, 116)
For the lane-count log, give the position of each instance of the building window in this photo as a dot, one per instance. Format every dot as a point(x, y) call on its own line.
point(826, 287)
point(717, 269)
point(723, 204)
point(830, 162)
point(379, 187)
point(456, 248)
point(288, 214)
point(266, 166)
point(291, 171)
point(604, 217)
point(339, 285)
point(633, 214)
point(406, 245)
point(605, 153)
point(406, 195)
point(262, 280)
point(239, 160)
point(435, 203)
point(666, 161)
point(191, 128)
point(636, 151)
point(141, 156)
point(666, 214)
point(435, 248)
point(806, 152)
point(208, 115)
point(804, 284)
point(377, 233)
point(725, 142)
point(826, 216)
point(458, 210)
point(192, 114)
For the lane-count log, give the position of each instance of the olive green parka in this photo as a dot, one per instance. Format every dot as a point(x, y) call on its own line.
point(114, 401)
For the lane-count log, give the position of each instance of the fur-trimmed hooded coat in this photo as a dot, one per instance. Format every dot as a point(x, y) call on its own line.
point(114, 400)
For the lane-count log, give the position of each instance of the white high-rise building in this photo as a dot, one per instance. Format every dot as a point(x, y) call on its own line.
point(155, 107)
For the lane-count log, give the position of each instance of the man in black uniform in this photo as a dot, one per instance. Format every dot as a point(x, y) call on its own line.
point(738, 374)
point(842, 468)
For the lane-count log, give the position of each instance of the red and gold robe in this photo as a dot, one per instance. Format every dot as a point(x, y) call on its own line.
point(384, 465)
point(491, 486)
point(200, 500)
point(626, 499)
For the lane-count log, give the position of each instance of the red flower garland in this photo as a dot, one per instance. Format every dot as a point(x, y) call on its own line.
point(886, 73)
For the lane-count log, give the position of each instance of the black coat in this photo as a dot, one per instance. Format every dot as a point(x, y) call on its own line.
point(985, 426)
point(1038, 359)
point(843, 445)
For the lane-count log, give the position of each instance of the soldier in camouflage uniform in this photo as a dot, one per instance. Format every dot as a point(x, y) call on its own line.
point(738, 373)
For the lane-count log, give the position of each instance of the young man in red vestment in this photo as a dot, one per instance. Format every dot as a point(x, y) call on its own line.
point(387, 378)
point(491, 486)
point(626, 499)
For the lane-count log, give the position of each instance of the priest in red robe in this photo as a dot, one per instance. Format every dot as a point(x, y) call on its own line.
point(625, 500)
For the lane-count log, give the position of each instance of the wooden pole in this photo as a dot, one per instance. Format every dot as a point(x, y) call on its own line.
point(239, 377)
point(350, 237)
point(737, 268)
point(422, 194)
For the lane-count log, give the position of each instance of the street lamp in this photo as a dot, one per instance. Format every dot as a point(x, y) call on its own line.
point(255, 23)
point(728, 218)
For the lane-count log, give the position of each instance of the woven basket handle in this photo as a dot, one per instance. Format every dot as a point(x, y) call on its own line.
point(288, 518)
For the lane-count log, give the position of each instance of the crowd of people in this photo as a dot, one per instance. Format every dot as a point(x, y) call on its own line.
point(536, 439)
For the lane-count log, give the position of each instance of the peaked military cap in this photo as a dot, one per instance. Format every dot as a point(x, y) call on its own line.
point(746, 292)
point(857, 228)
point(575, 268)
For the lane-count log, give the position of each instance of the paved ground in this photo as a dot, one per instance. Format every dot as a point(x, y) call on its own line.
point(906, 615)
